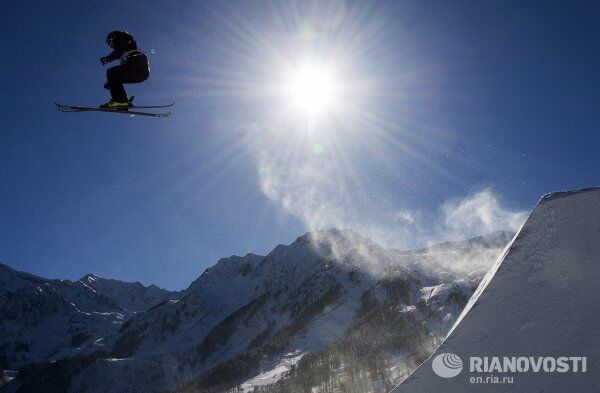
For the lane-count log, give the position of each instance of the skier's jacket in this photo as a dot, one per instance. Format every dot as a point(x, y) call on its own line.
point(126, 49)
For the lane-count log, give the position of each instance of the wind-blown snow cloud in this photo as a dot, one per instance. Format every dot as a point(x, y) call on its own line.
point(316, 193)
point(305, 190)
point(326, 188)
point(478, 214)
point(405, 216)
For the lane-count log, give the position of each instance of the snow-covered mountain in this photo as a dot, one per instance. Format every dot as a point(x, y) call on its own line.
point(130, 296)
point(247, 316)
point(539, 301)
point(46, 319)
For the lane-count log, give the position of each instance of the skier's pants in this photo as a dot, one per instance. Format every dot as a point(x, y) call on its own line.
point(120, 74)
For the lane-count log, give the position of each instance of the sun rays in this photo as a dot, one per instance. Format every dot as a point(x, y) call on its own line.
point(323, 107)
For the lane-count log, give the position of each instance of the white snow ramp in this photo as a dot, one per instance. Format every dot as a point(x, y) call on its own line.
point(536, 314)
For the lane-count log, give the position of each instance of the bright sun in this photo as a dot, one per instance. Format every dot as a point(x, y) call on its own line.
point(312, 89)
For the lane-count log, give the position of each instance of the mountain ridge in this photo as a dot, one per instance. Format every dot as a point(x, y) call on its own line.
point(63, 317)
point(300, 298)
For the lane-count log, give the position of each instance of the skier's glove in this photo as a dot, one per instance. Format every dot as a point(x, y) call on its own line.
point(104, 60)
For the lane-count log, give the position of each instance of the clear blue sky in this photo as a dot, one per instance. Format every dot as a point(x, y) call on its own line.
point(500, 94)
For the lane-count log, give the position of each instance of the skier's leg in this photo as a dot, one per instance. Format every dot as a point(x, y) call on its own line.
point(119, 75)
point(115, 77)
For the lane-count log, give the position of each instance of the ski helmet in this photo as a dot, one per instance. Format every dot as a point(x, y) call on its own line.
point(110, 38)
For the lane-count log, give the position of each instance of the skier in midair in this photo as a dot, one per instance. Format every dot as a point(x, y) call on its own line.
point(133, 68)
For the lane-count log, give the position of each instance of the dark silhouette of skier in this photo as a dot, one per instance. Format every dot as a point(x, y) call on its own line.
point(133, 68)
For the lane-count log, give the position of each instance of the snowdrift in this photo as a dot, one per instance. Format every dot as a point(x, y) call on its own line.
point(540, 300)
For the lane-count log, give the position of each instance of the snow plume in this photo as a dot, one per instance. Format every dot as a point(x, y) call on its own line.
point(327, 182)
point(472, 258)
point(304, 190)
point(352, 249)
point(478, 214)
point(316, 192)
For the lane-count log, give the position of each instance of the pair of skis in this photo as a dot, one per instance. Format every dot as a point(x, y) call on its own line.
point(132, 110)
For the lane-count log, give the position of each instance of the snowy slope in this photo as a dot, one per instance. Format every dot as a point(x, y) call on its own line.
point(540, 299)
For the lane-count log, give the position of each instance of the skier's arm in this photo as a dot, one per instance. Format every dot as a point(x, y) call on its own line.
point(114, 55)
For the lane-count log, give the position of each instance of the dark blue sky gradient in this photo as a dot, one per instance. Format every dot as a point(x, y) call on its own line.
point(511, 88)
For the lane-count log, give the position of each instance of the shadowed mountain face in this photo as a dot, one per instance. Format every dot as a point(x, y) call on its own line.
point(331, 298)
point(46, 319)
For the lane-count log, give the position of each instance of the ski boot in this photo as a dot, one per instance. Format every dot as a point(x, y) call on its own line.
point(116, 105)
